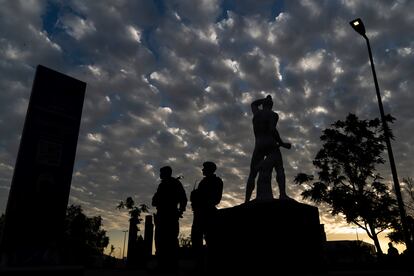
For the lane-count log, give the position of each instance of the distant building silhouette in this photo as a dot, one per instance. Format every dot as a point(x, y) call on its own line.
point(348, 253)
point(140, 248)
point(148, 235)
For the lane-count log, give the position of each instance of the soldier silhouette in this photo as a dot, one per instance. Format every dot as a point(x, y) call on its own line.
point(266, 154)
point(170, 201)
point(392, 251)
point(203, 202)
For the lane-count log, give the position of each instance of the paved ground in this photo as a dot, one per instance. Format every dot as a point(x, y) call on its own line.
point(330, 273)
point(130, 272)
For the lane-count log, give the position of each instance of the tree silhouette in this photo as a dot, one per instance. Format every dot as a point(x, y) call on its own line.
point(83, 237)
point(408, 191)
point(184, 241)
point(397, 235)
point(135, 242)
point(133, 210)
point(347, 180)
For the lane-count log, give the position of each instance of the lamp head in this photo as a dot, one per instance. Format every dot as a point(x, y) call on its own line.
point(358, 26)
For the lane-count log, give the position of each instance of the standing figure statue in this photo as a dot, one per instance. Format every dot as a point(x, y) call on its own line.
point(266, 154)
point(170, 201)
point(204, 200)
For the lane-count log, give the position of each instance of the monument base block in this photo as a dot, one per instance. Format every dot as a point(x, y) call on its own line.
point(267, 237)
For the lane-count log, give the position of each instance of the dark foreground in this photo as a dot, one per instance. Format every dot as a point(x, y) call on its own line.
point(287, 272)
point(79, 271)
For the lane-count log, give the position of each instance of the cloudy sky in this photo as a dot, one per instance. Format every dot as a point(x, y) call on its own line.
point(171, 82)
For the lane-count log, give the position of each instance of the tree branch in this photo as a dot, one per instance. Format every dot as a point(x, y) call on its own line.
point(359, 225)
point(381, 230)
point(367, 229)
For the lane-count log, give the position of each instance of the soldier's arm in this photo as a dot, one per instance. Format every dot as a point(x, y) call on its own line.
point(155, 199)
point(218, 193)
point(183, 198)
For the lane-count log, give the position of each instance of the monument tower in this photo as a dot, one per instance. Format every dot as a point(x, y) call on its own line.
point(40, 187)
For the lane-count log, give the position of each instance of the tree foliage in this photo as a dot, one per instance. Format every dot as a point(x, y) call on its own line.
point(134, 210)
point(84, 238)
point(408, 193)
point(135, 241)
point(184, 241)
point(347, 180)
point(407, 189)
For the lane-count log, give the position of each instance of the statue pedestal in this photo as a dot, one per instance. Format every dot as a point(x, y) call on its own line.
point(267, 237)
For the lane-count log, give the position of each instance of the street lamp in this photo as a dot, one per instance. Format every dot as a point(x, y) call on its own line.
point(123, 249)
point(359, 27)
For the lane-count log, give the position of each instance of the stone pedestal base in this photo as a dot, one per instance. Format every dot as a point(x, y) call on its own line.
point(266, 238)
point(44, 271)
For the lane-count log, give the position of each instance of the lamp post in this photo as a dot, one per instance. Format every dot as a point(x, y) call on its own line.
point(359, 27)
point(123, 249)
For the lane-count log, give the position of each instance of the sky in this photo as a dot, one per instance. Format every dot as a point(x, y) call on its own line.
point(171, 83)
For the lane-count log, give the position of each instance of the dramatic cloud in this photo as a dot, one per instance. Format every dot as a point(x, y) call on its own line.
point(171, 82)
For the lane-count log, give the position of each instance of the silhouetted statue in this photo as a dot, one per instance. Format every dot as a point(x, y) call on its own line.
point(203, 202)
point(392, 251)
point(170, 201)
point(266, 154)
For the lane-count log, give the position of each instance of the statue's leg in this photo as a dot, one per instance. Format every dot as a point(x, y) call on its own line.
point(280, 174)
point(264, 182)
point(257, 157)
point(281, 181)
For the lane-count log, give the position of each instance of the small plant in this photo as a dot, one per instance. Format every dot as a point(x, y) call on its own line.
point(184, 241)
point(133, 209)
